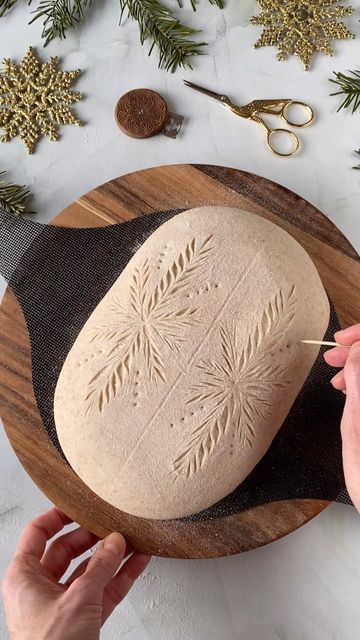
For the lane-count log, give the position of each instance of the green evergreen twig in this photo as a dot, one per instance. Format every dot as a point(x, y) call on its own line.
point(218, 3)
point(350, 87)
point(158, 23)
point(357, 166)
point(6, 5)
point(59, 16)
point(13, 197)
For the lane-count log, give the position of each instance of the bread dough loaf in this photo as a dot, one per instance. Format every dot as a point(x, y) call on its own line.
point(185, 371)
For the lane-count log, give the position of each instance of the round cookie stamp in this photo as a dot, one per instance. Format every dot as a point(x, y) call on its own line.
point(142, 113)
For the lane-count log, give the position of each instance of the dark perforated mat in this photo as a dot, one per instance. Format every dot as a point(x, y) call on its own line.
point(59, 276)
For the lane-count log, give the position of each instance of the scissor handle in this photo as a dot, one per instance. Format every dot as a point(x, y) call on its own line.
point(294, 140)
point(308, 110)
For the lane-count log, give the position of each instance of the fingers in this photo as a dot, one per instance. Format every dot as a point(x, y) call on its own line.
point(336, 357)
point(66, 548)
point(348, 336)
point(80, 569)
point(350, 425)
point(121, 584)
point(36, 534)
point(352, 371)
point(102, 566)
point(338, 381)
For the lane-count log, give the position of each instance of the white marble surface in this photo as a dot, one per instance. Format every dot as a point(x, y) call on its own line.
point(306, 586)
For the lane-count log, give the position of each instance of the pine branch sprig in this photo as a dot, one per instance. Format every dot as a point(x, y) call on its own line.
point(194, 3)
point(349, 86)
point(58, 16)
point(6, 5)
point(13, 197)
point(357, 167)
point(158, 23)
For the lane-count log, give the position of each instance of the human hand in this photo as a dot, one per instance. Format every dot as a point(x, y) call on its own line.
point(348, 380)
point(38, 605)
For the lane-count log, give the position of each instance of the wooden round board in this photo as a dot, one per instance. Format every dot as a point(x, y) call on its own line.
point(170, 187)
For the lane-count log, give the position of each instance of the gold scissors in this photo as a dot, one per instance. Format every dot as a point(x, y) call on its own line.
point(253, 110)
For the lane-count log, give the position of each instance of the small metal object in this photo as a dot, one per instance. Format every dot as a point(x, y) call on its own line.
point(142, 113)
point(253, 110)
point(173, 125)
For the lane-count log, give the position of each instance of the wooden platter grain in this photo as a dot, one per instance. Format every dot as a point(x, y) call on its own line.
point(139, 193)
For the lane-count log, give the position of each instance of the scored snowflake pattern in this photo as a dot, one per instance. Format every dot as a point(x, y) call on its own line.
point(238, 388)
point(154, 320)
point(301, 27)
point(35, 99)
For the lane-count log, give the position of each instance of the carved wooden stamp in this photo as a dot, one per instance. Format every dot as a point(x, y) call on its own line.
point(141, 113)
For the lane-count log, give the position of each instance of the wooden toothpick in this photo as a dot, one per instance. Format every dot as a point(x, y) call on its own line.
point(324, 344)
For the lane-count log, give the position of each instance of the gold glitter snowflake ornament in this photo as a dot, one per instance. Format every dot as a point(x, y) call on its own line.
point(35, 99)
point(301, 27)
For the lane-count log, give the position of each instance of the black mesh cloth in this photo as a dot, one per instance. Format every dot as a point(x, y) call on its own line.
point(59, 275)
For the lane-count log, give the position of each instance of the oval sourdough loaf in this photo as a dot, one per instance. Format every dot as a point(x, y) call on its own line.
point(184, 373)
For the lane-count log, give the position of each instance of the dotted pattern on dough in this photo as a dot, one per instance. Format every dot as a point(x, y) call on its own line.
point(149, 324)
point(238, 388)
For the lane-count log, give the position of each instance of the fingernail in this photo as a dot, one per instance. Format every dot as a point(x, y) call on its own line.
point(115, 543)
point(337, 377)
point(340, 332)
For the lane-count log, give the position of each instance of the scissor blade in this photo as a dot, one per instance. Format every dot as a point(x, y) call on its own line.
point(197, 87)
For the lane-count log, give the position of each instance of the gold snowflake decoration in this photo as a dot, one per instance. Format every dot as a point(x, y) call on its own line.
point(35, 99)
point(301, 27)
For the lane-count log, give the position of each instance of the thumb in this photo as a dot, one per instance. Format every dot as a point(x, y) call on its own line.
point(350, 425)
point(103, 565)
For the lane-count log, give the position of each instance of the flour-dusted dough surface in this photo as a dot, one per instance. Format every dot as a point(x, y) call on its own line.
point(184, 373)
